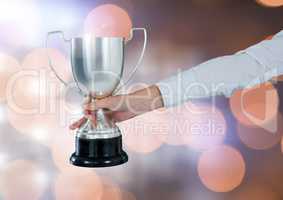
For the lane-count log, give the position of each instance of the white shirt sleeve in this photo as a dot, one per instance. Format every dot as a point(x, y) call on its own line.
point(224, 75)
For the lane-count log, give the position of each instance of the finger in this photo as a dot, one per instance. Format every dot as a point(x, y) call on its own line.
point(77, 124)
point(90, 115)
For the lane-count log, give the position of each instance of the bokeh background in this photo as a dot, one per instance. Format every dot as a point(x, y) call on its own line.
point(210, 149)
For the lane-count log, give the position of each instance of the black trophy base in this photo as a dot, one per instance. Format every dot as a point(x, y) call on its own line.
point(98, 152)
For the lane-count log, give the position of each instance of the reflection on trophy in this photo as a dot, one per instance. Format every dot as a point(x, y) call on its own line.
point(97, 66)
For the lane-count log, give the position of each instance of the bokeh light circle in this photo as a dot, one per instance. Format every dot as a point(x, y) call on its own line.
point(77, 184)
point(108, 21)
point(174, 132)
point(260, 138)
point(63, 143)
point(200, 126)
point(221, 169)
point(37, 59)
point(62, 146)
point(208, 128)
point(270, 3)
point(33, 95)
point(27, 90)
point(142, 134)
point(255, 106)
point(40, 127)
point(22, 179)
point(110, 190)
point(8, 67)
point(32, 107)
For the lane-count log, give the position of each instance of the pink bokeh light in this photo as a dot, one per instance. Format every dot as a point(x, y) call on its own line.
point(108, 21)
point(78, 184)
point(143, 134)
point(255, 106)
point(8, 67)
point(17, 185)
point(201, 127)
point(221, 169)
point(261, 138)
point(271, 3)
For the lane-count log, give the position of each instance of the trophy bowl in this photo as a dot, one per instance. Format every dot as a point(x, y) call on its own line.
point(97, 67)
point(97, 64)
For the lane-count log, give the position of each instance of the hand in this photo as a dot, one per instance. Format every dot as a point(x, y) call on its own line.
point(123, 107)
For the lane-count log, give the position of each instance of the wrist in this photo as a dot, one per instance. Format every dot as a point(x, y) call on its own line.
point(144, 100)
point(157, 100)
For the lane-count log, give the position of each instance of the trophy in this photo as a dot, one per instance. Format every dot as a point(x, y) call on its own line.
point(97, 67)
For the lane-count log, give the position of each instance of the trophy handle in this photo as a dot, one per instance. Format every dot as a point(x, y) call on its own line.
point(48, 56)
point(139, 60)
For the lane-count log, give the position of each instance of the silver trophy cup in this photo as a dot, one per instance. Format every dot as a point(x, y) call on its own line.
point(97, 66)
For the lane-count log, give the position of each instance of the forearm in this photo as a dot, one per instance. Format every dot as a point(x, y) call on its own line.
point(224, 75)
point(220, 76)
point(144, 100)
